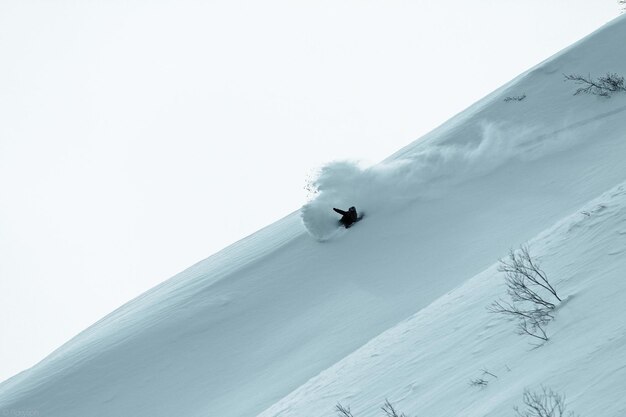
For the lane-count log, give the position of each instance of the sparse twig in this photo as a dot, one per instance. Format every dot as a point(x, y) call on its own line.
point(604, 86)
point(529, 288)
point(343, 411)
point(478, 382)
point(390, 411)
point(545, 403)
point(522, 274)
point(482, 382)
point(515, 98)
point(529, 322)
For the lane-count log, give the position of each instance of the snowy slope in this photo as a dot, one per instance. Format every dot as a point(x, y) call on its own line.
point(237, 333)
point(424, 365)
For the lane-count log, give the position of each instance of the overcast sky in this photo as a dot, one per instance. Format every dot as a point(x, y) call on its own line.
point(139, 137)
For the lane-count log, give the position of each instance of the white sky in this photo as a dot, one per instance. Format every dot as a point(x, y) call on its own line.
point(139, 137)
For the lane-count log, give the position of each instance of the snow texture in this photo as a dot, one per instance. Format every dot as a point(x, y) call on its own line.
point(282, 325)
point(424, 365)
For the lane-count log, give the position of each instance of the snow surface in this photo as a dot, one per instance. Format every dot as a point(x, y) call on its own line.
point(295, 318)
point(424, 365)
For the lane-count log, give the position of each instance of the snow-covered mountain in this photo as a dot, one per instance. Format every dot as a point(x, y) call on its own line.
point(300, 315)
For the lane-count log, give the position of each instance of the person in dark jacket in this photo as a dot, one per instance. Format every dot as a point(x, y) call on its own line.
point(348, 218)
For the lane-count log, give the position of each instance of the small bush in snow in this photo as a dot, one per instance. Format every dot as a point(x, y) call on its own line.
point(478, 382)
point(482, 382)
point(343, 411)
point(388, 409)
point(604, 86)
point(622, 5)
point(545, 403)
point(515, 98)
point(532, 295)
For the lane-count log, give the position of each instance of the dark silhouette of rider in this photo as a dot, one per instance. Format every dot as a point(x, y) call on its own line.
point(348, 218)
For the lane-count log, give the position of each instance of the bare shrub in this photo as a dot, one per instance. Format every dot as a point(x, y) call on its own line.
point(343, 411)
point(525, 278)
point(545, 403)
point(478, 382)
point(531, 294)
point(604, 86)
point(515, 98)
point(482, 382)
point(529, 322)
point(388, 409)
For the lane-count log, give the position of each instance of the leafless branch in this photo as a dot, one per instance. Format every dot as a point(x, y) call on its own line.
point(390, 411)
point(604, 86)
point(545, 403)
point(343, 411)
point(529, 322)
point(486, 372)
point(515, 98)
point(478, 382)
point(529, 288)
point(523, 274)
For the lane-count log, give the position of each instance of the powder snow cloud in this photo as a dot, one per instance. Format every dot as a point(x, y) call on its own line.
point(425, 173)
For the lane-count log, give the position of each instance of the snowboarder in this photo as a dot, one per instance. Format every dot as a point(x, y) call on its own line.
point(348, 217)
